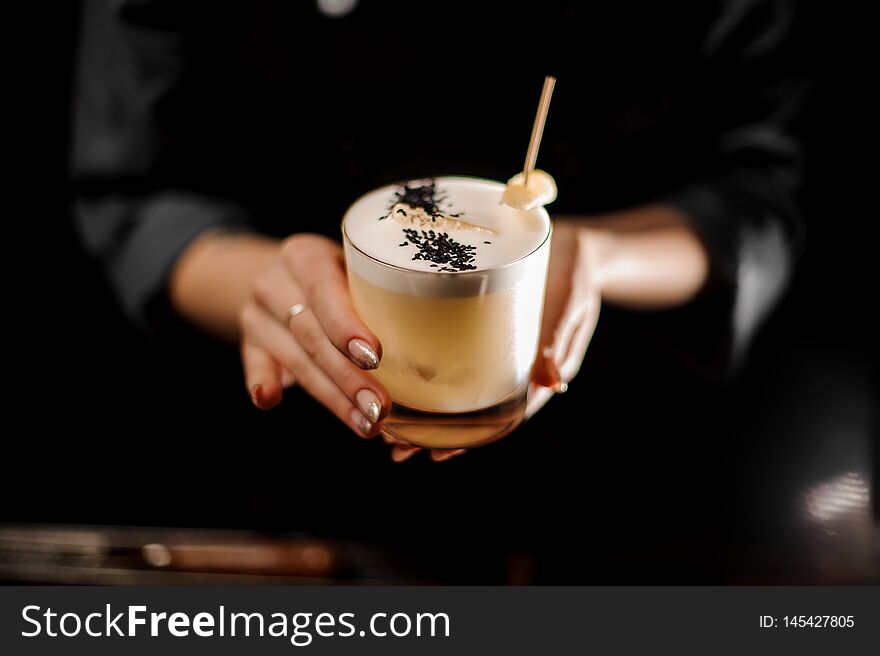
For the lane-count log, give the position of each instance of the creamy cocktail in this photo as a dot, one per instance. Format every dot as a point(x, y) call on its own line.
point(452, 283)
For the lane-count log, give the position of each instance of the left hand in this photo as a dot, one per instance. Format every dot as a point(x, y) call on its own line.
point(571, 310)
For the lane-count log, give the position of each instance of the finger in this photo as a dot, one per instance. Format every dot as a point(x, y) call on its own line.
point(555, 328)
point(577, 349)
point(360, 387)
point(538, 396)
point(556, 367)
point(276, 291)
point(401, 451)
point(287, 379)
point(566, 356)
point(442, 455)
point(317, 265)
point(564, 373)
point(559, 299)
point(545, 371)
point(264, 330)
point(261, 376)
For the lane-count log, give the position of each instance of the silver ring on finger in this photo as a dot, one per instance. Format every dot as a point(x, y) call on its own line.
point(296, 310)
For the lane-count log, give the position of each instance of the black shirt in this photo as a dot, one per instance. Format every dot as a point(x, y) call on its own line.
point(273, 116)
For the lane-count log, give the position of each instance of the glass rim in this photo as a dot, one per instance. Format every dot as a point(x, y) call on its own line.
point(449, 274)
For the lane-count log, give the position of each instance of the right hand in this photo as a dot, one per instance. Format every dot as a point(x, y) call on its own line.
point(325, 349)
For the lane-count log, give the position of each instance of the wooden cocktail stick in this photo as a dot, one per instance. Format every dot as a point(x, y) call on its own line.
point(538, 127)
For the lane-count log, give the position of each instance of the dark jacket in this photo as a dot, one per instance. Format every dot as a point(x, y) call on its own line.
point(273, 117)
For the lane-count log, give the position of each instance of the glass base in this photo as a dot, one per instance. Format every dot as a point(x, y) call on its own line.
point(455, 430)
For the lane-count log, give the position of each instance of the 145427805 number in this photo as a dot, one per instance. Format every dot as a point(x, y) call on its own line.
point(818, 621)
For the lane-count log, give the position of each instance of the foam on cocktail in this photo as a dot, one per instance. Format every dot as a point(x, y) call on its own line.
point(451, 226)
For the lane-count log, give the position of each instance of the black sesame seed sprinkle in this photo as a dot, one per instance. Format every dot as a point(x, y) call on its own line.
point(440, 249)
point(443, 252)
point(487, 242)
point(426, 196)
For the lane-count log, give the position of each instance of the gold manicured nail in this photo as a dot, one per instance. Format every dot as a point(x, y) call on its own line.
point(360, 422)
point(369, 404)
point(363, 354)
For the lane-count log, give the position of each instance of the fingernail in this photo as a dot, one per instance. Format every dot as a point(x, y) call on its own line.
point(369, 404)
point(401, 452)
point(553, 370)
point(363, 354)
point(361, 423)
point(257, 393)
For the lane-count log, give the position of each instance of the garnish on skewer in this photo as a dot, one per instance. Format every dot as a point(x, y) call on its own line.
point(533, 187)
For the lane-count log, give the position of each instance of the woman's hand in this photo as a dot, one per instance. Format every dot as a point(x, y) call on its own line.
point(242, 286)
point(643, 258)
point(323, 347)
point(571, 310)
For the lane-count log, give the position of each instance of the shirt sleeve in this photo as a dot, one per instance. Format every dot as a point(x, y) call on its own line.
point(753, 88)
point(140, 194)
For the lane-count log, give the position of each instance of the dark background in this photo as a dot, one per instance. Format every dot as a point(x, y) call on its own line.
point(705, 483)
